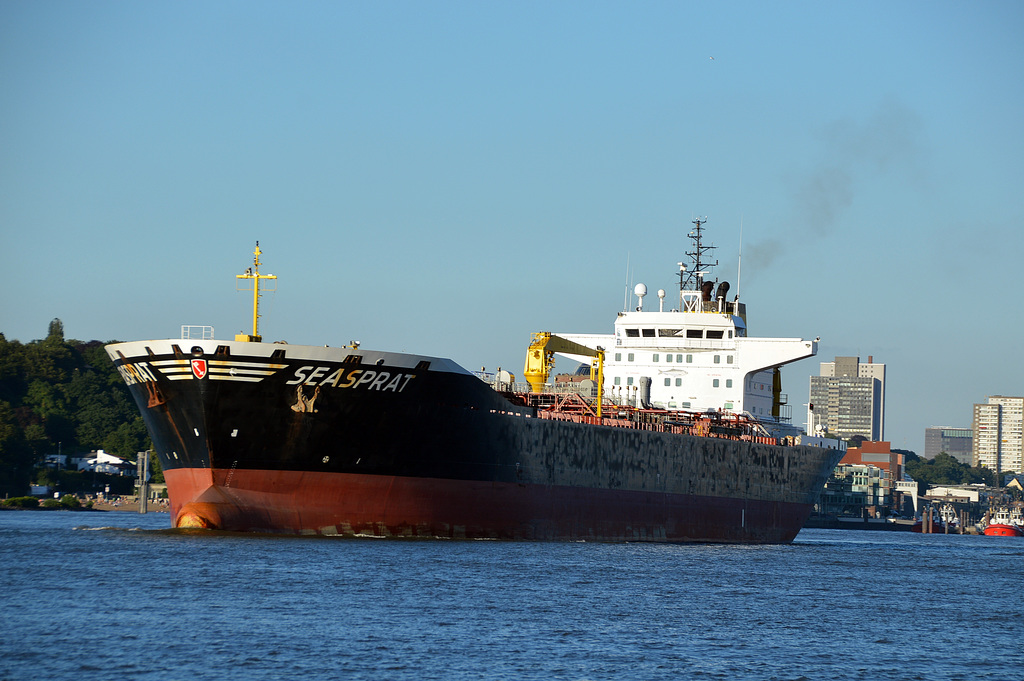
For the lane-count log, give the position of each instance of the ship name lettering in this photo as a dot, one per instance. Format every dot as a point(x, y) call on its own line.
point(382, 381)
point(317, 373)
point(136, 373)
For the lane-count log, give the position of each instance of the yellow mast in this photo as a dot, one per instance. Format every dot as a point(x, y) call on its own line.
point(254, 274)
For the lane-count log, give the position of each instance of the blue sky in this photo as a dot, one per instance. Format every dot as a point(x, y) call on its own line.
point(447, 177)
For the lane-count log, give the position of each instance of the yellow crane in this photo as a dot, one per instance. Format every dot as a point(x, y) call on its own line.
point(540, 361)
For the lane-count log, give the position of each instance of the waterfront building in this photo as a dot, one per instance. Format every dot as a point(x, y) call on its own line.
point(848, 399)
point(864, 481)
point(906, 489)
point(852, 489)
point(957, 442)
point(877, 454)
point(98, 461)
point(957, 493)
point(998, 428)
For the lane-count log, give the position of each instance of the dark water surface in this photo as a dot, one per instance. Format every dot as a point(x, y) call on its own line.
point(95, 595)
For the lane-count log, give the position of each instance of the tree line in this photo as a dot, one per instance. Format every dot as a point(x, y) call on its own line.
point(946, 470)
point(62, 397)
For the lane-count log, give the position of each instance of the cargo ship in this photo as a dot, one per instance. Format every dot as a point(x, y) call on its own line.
point(673, 432)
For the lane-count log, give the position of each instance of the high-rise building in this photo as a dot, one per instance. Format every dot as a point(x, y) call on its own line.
point(999, 434)
point(848, 399)
point(957, 442)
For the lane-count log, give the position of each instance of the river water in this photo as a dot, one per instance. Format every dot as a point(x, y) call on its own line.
point(93, 595)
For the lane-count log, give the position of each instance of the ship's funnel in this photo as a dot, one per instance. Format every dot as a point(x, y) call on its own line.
point(723, 291)
point(705, 290)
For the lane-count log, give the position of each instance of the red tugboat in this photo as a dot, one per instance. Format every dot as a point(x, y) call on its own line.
point(1005, 523)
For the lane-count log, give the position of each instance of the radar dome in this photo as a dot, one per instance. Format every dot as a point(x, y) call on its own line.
point(640, 290)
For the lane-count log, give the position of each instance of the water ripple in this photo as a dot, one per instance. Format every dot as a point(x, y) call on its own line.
point(87, 597)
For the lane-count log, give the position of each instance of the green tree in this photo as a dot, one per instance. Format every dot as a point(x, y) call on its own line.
point(16, 458)
point(946, 470)
point(980, 474)
point(56, 331)
point(12, 370)
point(61, 395)
point(49, 360)
point(127, 440)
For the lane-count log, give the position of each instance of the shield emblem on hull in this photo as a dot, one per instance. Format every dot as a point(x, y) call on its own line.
point(199, 368)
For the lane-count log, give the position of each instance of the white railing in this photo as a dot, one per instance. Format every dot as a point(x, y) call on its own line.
point(190, 332)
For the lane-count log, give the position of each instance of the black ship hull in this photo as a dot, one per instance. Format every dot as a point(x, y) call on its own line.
point(300, 439)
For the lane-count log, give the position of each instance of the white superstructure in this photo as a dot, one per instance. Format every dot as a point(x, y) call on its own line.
point(697, 357)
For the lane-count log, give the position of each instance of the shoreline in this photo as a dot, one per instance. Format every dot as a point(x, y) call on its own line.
point(104, 506)
point(130, 506)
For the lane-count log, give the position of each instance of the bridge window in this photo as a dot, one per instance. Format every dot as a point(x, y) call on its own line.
point(715, 334)
point(668, 333)
point(648, 333)
point(632, 333)
point(695, 333)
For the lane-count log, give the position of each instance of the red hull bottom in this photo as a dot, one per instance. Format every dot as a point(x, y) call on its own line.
point(298, 502)
point(1001, 530)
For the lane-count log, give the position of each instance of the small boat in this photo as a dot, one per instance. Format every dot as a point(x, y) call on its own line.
point(1005, 523)
point(943, 521)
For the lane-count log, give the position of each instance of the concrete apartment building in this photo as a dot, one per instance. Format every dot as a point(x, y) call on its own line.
point(999, 434)
point(957, 442)
point(848, 399)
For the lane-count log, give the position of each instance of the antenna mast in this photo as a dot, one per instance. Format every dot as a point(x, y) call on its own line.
point(254, 274)
point(739, 260)
point(699, 249)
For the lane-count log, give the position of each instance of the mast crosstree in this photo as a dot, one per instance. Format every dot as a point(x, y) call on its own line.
point(692, 280)
point(253, 273)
